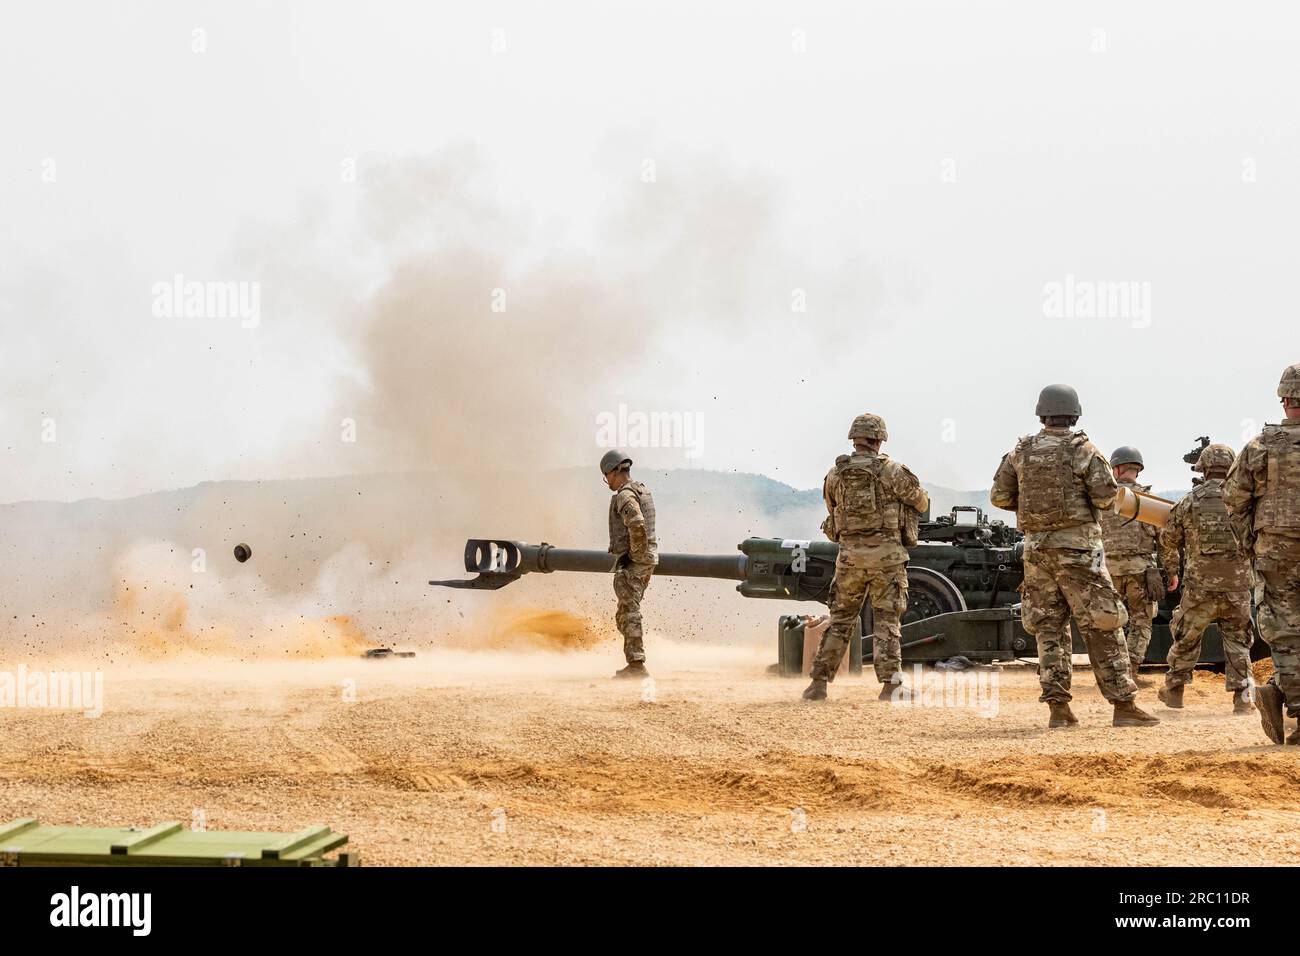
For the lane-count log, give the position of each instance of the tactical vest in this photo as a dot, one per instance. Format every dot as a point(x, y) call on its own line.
point(861, 504)
point(618, 537)
point(1214, 535)
point(1278, 509)
point(1052, 497)
point(1124, 536)
point(1214, 558)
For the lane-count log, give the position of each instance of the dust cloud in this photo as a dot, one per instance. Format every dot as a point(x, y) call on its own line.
point(480, 369)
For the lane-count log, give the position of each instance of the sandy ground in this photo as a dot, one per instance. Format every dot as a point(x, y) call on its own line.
point(501, 757)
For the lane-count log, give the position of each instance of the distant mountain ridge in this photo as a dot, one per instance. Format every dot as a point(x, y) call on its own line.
point(70, 556)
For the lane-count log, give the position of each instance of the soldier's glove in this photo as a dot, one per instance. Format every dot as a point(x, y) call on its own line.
point(1155, 584)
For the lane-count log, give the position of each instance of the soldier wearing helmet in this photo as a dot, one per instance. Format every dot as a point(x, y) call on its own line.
point(1262, 493)
point(1216, 583)
point(1131, 559)
point(1057, 482)
point(636, 552)
point(873, 506)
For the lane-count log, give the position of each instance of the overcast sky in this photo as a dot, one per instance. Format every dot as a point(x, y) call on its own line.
point(764, 218)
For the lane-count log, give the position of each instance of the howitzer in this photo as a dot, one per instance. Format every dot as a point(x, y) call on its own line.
point(963, 578)
point(776, 568)
point(962, 561)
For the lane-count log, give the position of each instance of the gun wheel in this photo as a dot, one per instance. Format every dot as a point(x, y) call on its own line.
point(929, 594)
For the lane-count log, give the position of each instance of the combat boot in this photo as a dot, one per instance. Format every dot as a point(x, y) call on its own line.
point(1171, 696)
point(1060, 714)
point(895, 693)
point(634, 669)
point(1138, 678)
point(1129, 714)
point(1241, 703)
point(1268, 701)
point(1294, 736)
point(816, 690)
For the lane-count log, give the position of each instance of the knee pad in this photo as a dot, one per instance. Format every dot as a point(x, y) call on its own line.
point(1104, 613)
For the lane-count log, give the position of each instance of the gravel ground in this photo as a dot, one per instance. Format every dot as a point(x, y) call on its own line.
point(457, 757)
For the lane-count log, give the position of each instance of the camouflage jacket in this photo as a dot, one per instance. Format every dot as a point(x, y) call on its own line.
point(1130, 545)
point(1262, 492)
point(632, 524)
point(1212, 555)
point(872, 503)
point(1056, 482)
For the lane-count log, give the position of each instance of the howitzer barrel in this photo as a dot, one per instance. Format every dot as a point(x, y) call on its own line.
point(1138, 506)
point(727, 567)
point(498, 562)
point(766, 567)
point(546, 558)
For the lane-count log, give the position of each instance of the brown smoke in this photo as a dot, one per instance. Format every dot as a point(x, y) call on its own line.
point(488, 350)
point(491, 347)
point(514, 628)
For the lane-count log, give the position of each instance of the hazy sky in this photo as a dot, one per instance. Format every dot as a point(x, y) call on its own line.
point(764, 217)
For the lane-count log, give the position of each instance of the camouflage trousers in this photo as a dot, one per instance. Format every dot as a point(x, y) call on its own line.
point(857, 581)
point(1230, 610)
point(1140, 604)
point(1277, 596)
point(1060, 583)
point(630, 582)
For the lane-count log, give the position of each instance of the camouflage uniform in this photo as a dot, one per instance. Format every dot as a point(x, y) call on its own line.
point(632, 539)
point(1262, 491)
point(873, 503)
point(1131, 560)
point(1056, 481)
point(1216, 585)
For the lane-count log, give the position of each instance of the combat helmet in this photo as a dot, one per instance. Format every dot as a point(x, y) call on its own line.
point(1058, 400)
point(868, 426)
point(1214, 458)
point(1126, 455)
point(612, 459)
point(1289, 387)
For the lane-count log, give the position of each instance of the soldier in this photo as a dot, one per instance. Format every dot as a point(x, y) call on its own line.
point(1131, 560)
point(1262, 493)
point(632, 541)
point(1216, 583)
point(874, 504)
point(1057, 481)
